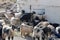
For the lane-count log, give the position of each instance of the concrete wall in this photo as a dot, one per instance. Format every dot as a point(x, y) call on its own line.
point(53, 14)
point(52, 10)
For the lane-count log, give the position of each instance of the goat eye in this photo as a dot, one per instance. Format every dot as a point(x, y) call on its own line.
point(41, 27)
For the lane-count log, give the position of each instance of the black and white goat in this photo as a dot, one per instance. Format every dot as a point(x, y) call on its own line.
point(7, 31)
point(43, 28)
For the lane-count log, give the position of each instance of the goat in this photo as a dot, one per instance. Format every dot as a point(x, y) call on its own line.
point(57, 32)
point(25, 30)
point(7, 31)
point(37, 33)
point(46, 29)
point(54, 24)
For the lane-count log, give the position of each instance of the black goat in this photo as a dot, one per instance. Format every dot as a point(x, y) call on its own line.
point(54, 24)
point(26, 17)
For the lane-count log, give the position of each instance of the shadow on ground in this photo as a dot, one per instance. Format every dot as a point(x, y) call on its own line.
point(28, 38)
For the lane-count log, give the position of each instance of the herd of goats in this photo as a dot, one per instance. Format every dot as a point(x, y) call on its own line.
point(29, 24)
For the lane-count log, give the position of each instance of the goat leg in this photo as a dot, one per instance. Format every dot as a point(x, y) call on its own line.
point(8, 37)
point(12, 37)
point(3, 39)
point(33, 38)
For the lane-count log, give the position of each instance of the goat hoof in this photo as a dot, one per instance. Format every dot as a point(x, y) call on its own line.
point(33, 38)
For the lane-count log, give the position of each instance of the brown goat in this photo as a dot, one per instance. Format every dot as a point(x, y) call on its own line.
point(26, 30)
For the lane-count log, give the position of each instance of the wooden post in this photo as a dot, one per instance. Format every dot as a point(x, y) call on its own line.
point(30, 12)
